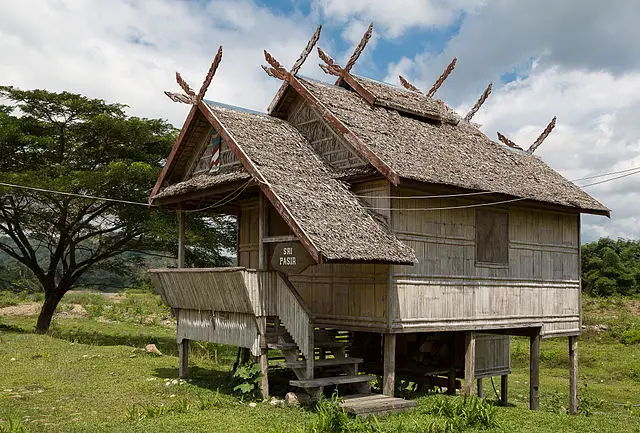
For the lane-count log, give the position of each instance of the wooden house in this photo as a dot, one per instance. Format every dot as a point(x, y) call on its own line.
point(379, 232)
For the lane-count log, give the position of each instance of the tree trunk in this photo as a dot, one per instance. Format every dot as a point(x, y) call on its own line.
point(51, 301)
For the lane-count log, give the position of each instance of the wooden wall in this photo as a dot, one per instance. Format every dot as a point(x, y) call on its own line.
point(448, 289)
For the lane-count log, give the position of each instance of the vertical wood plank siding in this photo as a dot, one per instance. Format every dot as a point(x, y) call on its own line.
point(448, 289)
point(293, 314)
point(236, 329)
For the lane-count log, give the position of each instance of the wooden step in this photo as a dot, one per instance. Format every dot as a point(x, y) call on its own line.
point(375, 404)
point(329, 344)
point(335, 380)
point(282, 346)
point(325, 362)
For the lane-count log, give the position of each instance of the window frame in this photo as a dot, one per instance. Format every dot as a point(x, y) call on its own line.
point(489, 264)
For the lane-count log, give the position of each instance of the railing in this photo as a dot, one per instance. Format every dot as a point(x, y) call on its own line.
point(294, 315)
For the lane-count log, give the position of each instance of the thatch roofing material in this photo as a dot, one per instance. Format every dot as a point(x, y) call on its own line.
point(407, 101)
point(201, 182)
point(443, 153)
point(329, 215)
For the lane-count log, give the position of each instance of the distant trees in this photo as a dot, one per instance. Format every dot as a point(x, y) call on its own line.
point(79, 146)
point(611, 267)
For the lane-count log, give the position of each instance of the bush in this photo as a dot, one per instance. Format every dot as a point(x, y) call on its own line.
point(630, 336)
point(461, 413)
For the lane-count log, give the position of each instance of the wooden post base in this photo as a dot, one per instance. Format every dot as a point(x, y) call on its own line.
point(183, 358)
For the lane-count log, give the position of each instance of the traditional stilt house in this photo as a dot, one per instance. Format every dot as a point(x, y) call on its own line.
point(379, 232)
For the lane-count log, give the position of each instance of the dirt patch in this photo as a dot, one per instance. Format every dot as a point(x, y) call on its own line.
point(30, 309)
point(76, 310)
point(33, 308)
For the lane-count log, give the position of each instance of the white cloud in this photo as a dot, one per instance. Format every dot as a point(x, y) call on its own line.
point(394, 17)
point(597, 132)
point(128, 51)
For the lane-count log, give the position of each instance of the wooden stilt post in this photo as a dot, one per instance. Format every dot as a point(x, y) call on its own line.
point(183, 349)
point(264, 358)
point(469, 362)
point(183, 358)
point(573, 374)
point(451, 385)
point(480, 389)
point(263, 230)
point(389, 368)
point(504, 389)
point(181, 239)
point(534, 370)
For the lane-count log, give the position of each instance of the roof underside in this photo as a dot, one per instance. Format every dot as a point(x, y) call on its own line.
point(322, 206)
point(450, 152)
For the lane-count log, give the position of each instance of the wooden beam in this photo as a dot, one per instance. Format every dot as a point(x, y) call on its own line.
point(442, 77)
point(278, 239)
point(183, 358)
point(334, 69)
point(504, 389)
point(542, 136)
point(573, 374)
point(181, 237)
point(275, 200)
point(359, 48)
point(534, 370)
point(478, 103)
point(479, 387)
point(212, 71)
point(306, 51)
point(264, 357)
point(389, 366)
point(469, 362)
point(263, 230)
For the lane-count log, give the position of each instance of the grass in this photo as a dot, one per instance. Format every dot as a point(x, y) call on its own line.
point(93, 375)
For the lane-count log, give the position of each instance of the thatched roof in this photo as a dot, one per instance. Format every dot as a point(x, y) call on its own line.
point(409, 102)
point(202, 182)
point(447, 152)
point(330, 216)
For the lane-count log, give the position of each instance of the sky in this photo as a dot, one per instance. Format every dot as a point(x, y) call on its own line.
point(578, 60)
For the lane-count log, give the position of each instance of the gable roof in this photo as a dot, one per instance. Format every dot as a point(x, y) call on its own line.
point(449, 152)
point(322, 208)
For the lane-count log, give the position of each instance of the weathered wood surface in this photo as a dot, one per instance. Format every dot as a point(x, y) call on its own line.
point(236, 329)
point(335, 380)
point(469, 362)
point(389, 366)
point(377, 405)
point(534, 371)
point(573, 374)
point(449, 289)
point(294, 315)
point(493, 355)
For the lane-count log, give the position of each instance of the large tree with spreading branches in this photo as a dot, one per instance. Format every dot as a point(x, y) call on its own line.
point(83, 148)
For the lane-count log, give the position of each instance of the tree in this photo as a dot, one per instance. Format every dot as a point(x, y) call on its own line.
point(80, 146)
point(611, 267)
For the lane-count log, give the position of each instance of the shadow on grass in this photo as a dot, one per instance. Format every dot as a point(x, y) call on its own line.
point(105, 337)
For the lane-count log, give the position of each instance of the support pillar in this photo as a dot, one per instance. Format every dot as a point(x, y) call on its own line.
point(181, 237)
point(264, 358)
point(504, 389)
point(480, 389)
point(573, 374)
point(183, 358)
point(534, 370)
point(389, 369)
point(469, 362)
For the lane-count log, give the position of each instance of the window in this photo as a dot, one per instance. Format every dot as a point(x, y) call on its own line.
point(492, 237)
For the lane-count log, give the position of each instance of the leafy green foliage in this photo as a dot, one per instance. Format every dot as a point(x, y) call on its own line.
point(331, 418)
point(79, 146)
point(12, 426)
point(247, 378)
point(460, 413)
point(611, 267)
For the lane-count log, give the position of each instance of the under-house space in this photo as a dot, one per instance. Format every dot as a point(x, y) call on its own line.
point(380, 234)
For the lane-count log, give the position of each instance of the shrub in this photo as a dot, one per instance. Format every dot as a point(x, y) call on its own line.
point(630, 336)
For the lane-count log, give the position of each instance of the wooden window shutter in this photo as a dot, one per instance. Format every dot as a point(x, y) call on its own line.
point(492, 237)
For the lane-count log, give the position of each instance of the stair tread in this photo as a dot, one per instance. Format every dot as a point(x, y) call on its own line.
point(330, 344)
point(281, 346)
point(326, 362)
point(334, 380)
point(375, 404)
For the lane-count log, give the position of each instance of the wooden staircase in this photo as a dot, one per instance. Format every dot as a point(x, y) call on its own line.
point(329, 365)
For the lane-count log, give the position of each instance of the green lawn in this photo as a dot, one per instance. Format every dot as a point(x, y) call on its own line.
point(93, 375)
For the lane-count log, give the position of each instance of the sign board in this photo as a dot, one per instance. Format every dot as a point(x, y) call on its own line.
point(290, 258)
